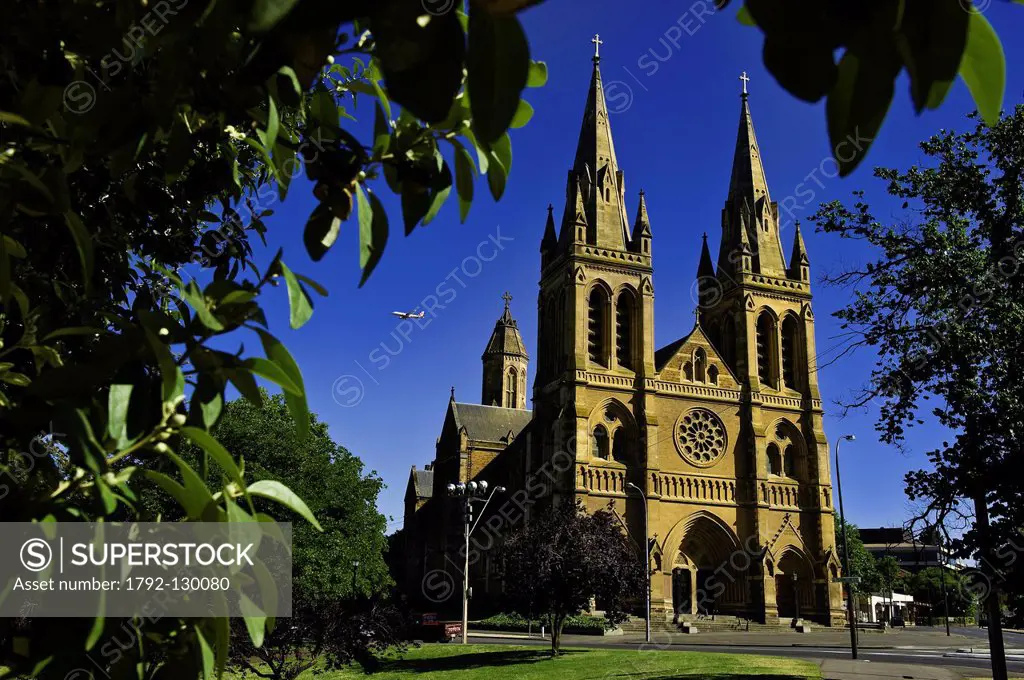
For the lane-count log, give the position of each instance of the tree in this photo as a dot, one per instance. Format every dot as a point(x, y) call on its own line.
point(943, 308)
point(143, 146)
point(862, 563)
point(933, 40)
point(927, 586)
point(564, 557)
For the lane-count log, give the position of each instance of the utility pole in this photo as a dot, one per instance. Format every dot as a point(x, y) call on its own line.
point(647, 559)
point(473, 491)
point(851, 585)
point(945, 593)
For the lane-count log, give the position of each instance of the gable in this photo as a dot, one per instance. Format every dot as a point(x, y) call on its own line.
point(679, 362)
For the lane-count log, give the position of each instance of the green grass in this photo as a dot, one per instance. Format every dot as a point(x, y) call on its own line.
point(509, 662)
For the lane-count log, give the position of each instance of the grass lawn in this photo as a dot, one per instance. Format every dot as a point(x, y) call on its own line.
point(510, 662)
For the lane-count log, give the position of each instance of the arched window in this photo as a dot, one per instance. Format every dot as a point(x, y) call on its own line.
point(597, 305)
point(766, 349)
point(790, 348)
point(600, 442)
point(728, 341)
point(688, 371)
point(713, 375)
point(620, 445)
point(561, 356)
point(774, 460)
point(511, 388)
point(700, 363)
point(791, 462)
point(624, 314)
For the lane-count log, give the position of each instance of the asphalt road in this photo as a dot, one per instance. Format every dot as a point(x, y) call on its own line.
point(915, 656)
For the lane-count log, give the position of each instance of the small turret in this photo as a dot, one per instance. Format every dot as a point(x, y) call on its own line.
point(799, 265)
point(641, 242)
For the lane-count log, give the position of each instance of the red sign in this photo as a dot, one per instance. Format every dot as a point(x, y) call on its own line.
point(453, 629)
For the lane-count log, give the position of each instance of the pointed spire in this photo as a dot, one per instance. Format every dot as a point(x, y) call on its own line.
point(597, 169)
point(748, 178)
point(506, 338)
point(799, 264)
point(642, 225)
point(550, 240)
point(706, 268)
point(452, 398)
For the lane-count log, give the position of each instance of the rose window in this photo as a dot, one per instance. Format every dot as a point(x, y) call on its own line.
point(700, 437)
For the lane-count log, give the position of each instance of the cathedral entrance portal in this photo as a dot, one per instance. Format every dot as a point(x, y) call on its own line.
point(711, 563)
point(794, 587)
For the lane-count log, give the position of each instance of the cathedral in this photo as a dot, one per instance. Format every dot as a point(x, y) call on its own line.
point(716, 438)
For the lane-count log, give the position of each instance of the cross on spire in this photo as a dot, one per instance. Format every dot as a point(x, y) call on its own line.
point(507, 297)
point(745, 79)
point(597, 47)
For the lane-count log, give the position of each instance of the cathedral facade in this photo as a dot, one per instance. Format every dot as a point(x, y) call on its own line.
point(716, 438)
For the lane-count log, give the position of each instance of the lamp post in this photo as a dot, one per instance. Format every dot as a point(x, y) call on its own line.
point(647, 559)
point(355, 572)
point(851, 585)
point(945, 594)
point(473, 491)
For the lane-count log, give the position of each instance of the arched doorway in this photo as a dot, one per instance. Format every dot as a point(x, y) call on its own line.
point(710, 571)
point(794, 586)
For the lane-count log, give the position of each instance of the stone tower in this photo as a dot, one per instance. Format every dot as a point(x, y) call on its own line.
point(505, 362)
point(596, 308)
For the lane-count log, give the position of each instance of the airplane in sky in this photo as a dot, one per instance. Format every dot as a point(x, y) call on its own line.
point(409, 315)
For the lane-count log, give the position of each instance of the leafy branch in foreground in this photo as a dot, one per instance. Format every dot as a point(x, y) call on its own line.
point(143, 145)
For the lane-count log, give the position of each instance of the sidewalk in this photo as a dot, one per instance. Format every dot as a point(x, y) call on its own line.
point(847, 669)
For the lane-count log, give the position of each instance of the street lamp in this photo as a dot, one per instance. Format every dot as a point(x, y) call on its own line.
point(473, 491)
point(355, 571)
point(846, 553)
point(647, 559)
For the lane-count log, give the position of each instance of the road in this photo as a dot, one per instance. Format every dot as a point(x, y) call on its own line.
point(821, 646)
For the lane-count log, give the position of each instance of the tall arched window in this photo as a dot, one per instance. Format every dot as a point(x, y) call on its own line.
point(511, 388)
point(700, 365)
point(624, 315)
point(790, 462)
point(620, 445)
point(766, 349)
point(790, 349)
point(774, 460)
point(597, 305)
point(728, 341)
point(713, 375)
point(600, 442)
point(560, 354)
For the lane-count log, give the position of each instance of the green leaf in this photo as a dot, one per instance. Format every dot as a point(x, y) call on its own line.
point(983, 68)
point(373, 232)
point(499, 166)
point(13, 119)
point(173, 382)
point(312, 284)
point(209, 444)
point(16, 379)
point(273, 122)
point(197, 495)
point(296, 401)
point(859, 100)
point(83, 241)
point(246, 385)
point(278, 492)
point(298, 299)
point(265, 14)
point(538, 74)
point(255, 619)
point(195, 298)
point(270, 371)
point(523, 114)
point(321, 232)
point(117, 410)
point(464, 172)
point(498, 63)
point(381, 132)
point(442, 186)
point(206, 655)
point(743, 16)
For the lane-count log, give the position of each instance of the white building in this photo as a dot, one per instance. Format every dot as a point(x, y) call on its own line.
point(878, 608)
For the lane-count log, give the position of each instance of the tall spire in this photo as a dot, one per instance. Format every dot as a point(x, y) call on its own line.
point(748, 178)
point(597, 169)
point(750, 214)
point(504, 362)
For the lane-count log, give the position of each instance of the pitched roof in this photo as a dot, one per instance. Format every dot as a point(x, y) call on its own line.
point(662, 356)
point(423, 482)
point(490, 423)
point(506, 338)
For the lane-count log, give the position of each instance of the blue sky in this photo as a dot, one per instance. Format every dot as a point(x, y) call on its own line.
point(671, 72)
